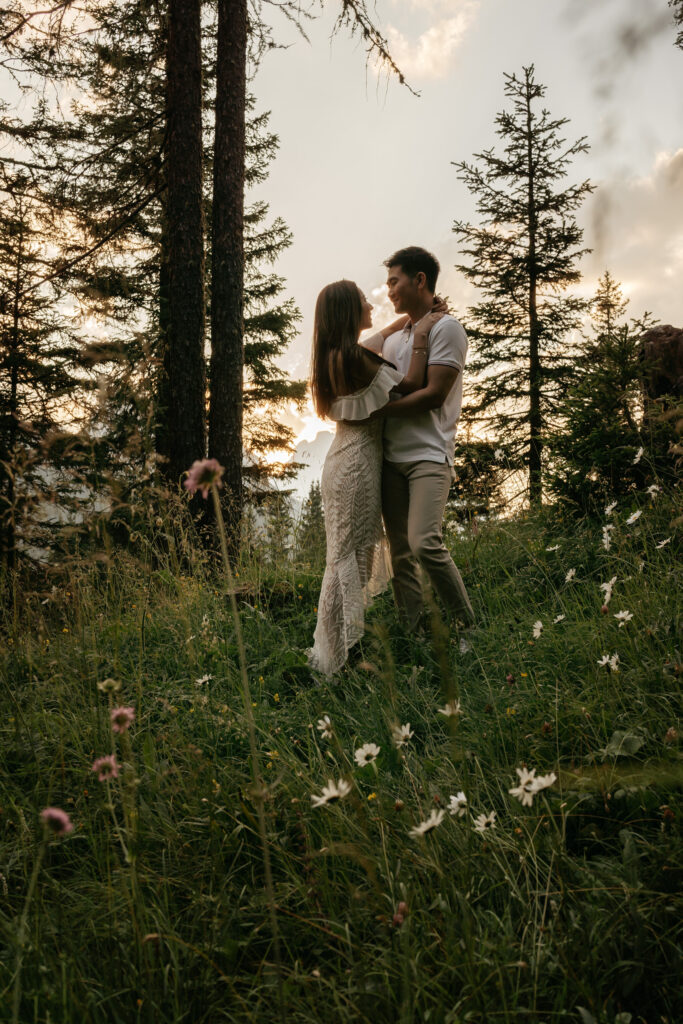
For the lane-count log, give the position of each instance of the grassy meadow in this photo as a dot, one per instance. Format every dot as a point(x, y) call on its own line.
point(203, 884)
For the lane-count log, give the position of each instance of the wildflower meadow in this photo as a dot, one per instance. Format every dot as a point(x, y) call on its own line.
point(456, 828)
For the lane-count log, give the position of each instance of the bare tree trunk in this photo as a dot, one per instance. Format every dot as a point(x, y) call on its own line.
point(227, 275)
point(184, 272)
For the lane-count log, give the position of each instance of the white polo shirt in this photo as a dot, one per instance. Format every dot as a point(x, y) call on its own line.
point(430, 435)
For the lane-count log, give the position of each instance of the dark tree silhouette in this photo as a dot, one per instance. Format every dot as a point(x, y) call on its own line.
point(523, 257)
point(602, 448)
point(227, 249)
point(184, 235)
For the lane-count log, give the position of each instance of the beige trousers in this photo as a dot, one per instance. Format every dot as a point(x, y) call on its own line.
point(413, 501)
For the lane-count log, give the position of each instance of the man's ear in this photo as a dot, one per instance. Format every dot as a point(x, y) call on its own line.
point(420, 279)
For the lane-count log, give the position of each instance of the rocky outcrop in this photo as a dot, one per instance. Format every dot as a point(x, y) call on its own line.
point(661, 355)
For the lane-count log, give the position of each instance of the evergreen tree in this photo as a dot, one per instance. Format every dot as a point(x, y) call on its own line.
point(480, 474)
point(109, 180)
point(523, 258)
point(608, 308)
point(603, 449)
point(310, 536)
point(128, 165)
point(677, 6)
point(278, 529)
point(40, 366)
point(270, 325)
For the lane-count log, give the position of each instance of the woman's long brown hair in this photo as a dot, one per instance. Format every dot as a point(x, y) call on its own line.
point(338, 314)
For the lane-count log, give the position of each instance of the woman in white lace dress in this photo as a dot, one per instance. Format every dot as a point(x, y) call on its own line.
point(349, 383)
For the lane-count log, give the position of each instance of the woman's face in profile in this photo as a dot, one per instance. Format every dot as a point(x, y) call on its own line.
point(366, 315)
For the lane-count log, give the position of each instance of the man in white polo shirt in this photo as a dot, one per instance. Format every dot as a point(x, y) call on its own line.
point(419, 441)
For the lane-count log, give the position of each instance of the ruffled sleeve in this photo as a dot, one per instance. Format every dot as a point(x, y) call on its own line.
point(375, 395)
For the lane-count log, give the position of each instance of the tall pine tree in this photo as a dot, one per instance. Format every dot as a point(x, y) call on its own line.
point(522, 258)
point(310, 532)
point(40, 366)
point(270, 325)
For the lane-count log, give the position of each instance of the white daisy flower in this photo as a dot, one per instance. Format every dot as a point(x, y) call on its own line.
point(435, 818)
point(484, 822)
point(558, 618)
point(607, 589)
point(653, 489)
point(401, 734)
point(570, 576)
point(202, 680)
point(623, 617)
point(606, 539)
point(663, 543)
point(638, 457)
point(538, 629)
point(604, 660)
point(610, 508)
point(324, 727)
point(554, 547)
point(366, 754)
point(543, 781)
point(498, 454)
point(614, 663)
point(525, 790)
point(451, 708)
point(331, 792)
point(634, 515)
point(457, 805)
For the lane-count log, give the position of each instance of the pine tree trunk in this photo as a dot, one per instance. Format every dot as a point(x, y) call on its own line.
point(162, 440)
point(535, 419)
point(227, 275)
point(9, 545)
point(185, 415)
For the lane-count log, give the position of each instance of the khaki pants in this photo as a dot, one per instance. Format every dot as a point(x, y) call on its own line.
point(413, 501)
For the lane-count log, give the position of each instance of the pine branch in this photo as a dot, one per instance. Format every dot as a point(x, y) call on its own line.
point(25, 19)
point(68, 265)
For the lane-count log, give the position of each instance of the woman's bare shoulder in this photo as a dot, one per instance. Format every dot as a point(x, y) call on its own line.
point(373, 361)
point(368, 366)
point(364, 369)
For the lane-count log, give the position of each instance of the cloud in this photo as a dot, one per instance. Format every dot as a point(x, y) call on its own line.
point(636, 231)
point(431, 54)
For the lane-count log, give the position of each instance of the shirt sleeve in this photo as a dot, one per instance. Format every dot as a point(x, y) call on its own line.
point(375, 343)
point(374, 396)
point(447, 344)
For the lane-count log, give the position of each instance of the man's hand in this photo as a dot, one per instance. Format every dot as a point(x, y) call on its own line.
point(440, 380)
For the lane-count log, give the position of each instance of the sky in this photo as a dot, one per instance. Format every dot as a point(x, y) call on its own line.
point(366, 167)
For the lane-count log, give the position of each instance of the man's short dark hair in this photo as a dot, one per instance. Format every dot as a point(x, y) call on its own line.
point(414, 260)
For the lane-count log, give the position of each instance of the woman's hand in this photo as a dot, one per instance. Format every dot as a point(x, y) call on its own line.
point(440, 305)
point(424, 326)
point(396, 325)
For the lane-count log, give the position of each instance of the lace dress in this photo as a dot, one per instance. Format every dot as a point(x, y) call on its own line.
point(357, 565)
